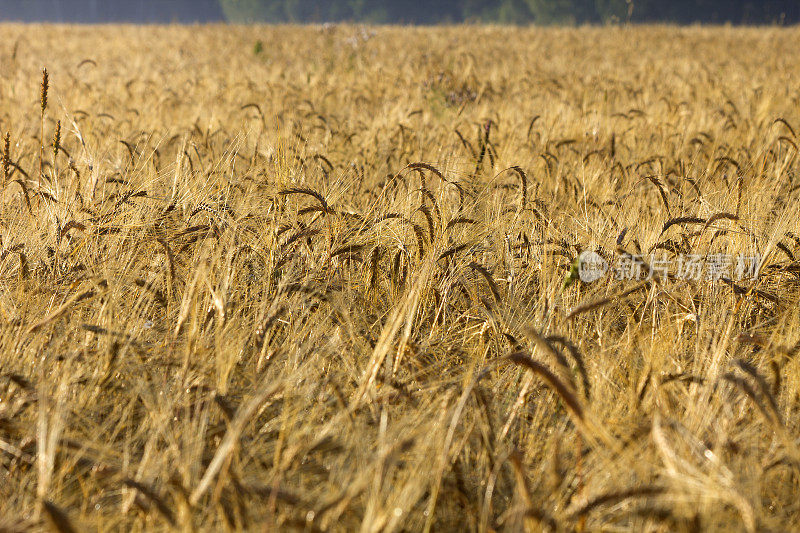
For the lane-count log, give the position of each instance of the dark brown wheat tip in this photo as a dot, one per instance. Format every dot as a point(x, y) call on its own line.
point(576, 355)
point(6, 156)
point(615, 497)
point(45, 87)
point(524, 360)
point(152, 496)
point(763, 388)
point(56, 518)
point(748, 390)
point(489, 280)
point(57, 140)
point(586, 307)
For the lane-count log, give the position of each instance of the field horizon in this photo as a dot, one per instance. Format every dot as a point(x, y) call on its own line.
point(338, 277)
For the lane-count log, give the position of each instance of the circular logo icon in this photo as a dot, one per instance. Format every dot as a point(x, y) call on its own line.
point(591, 266)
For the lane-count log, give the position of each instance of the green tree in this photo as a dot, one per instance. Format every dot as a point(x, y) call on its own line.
point(253, 11)
point(514, 12)
point(559, 11)
point(613, 10)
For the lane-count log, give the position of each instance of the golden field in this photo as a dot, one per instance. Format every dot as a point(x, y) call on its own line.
point(323, 278)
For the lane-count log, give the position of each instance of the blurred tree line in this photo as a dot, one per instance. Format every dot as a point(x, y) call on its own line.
point(406, 11)
point(514, 11)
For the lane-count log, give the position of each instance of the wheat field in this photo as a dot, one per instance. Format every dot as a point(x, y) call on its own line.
point(324, 279)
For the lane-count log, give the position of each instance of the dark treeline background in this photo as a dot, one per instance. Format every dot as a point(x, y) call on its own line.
point(405, 11)
point(518, 11)
point(100, 11)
